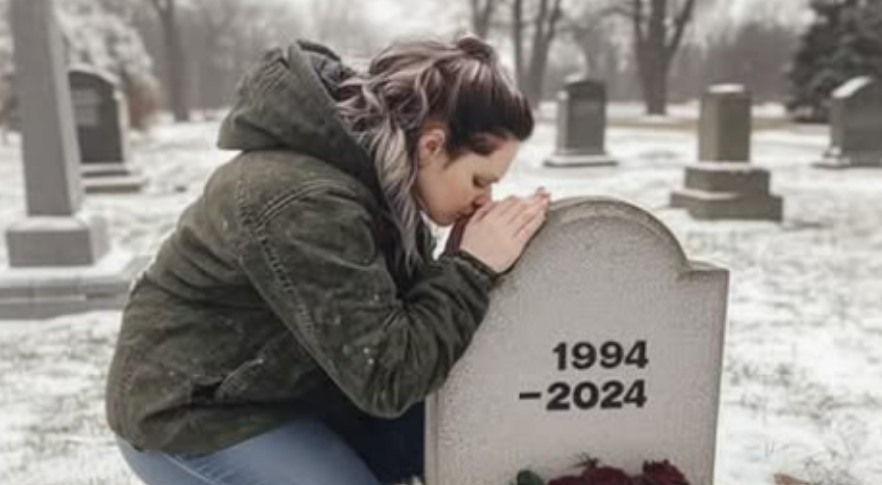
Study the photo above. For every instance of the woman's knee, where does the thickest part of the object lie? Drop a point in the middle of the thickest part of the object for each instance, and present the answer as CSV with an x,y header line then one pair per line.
x,y
304,452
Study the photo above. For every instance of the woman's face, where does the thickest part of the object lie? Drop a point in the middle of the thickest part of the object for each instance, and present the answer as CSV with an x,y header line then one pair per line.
x,y
449,189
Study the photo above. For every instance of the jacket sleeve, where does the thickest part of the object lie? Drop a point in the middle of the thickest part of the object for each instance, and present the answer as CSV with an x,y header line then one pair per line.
x,y
316,263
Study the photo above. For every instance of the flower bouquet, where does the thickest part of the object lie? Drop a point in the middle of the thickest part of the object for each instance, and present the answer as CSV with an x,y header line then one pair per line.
x,y
591,472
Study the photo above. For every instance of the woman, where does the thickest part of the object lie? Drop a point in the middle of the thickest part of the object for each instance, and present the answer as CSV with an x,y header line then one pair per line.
x,y
290,328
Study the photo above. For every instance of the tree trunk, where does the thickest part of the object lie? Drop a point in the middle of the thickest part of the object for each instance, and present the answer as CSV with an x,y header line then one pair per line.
x,y
517,29
544,30
657,40
653,72
482,16
655,75
177,76
536,74
655,91
532,88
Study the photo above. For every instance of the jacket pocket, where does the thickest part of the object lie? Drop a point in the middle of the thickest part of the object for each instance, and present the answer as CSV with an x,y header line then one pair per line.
x,y
275,373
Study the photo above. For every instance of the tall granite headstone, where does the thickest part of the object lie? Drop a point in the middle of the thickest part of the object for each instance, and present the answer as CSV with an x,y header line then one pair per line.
x,y
102,123
725,124
855,125
59,256
604,339
723,184
581,125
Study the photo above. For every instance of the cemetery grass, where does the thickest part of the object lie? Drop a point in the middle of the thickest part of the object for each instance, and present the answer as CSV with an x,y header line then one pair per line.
x,y
803,355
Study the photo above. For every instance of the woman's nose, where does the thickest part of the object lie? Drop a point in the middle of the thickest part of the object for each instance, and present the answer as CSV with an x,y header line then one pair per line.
x,y
485,196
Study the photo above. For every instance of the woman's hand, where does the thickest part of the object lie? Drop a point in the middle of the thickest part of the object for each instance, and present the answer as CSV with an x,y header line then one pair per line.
x,y
498,231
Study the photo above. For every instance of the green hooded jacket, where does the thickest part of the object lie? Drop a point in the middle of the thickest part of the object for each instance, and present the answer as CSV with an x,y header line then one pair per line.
x,y
282,291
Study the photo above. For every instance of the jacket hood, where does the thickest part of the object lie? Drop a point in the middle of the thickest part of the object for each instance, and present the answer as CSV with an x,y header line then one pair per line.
x,y
287,102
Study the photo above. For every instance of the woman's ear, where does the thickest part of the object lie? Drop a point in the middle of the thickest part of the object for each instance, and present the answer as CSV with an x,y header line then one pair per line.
x,y
431,145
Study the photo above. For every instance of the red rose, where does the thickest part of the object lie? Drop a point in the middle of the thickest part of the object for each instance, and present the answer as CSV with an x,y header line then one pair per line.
x,y
569,481
605,475
663,473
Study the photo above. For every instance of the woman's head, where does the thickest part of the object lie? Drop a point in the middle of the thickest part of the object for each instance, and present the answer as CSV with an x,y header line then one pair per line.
x,y
444,122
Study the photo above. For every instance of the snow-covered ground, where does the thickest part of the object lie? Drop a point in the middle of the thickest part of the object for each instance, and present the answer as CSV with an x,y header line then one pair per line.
x,y
803,362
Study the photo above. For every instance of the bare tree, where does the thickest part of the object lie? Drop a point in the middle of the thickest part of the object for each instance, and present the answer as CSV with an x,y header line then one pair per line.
x,y
532,26
542,28
755,54
344,26
6,97
482,12
592,33
657,36
217,22
166,11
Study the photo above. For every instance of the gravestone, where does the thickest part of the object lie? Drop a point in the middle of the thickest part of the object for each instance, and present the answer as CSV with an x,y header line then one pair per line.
x,y
725,124
604,339
581,125
60,260
855,125
724,184
103,132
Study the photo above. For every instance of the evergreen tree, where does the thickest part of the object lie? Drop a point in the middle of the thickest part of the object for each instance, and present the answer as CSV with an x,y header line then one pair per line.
x,y
845,41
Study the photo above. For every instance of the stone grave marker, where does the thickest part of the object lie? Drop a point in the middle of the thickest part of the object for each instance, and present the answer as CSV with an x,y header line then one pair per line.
x,y
604,339
725,124
855,125
581,125
724,184
60,259
103,132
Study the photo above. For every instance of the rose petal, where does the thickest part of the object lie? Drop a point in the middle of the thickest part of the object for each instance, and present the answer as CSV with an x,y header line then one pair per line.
x,y
569,480
606,475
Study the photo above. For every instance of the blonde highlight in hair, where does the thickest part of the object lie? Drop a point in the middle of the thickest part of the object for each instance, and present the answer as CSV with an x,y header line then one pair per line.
x,y
458,84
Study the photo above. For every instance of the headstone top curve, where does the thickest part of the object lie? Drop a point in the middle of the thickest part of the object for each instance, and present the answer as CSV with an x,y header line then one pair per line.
x,y
568,210
83,69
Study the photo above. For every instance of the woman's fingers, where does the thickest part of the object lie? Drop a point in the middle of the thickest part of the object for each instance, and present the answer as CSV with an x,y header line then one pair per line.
x,y
534,215
532,205
508,209
526,216
529,228
483,211
515,211
498,232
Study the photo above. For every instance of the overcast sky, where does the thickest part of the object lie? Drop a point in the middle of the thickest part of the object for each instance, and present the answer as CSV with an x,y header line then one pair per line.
x,y
402,16
395,18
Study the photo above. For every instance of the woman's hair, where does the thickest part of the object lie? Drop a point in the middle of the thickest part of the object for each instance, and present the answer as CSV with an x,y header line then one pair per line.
x,y
459,84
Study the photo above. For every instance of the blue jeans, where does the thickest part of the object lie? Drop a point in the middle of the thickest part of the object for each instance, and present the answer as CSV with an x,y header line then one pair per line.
x,y
301,452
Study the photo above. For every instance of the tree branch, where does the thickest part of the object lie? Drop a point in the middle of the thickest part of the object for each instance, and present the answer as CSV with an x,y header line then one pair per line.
x,y
553,21
482,15
487,13
680,23
589,21
637,18
539,31
517,9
